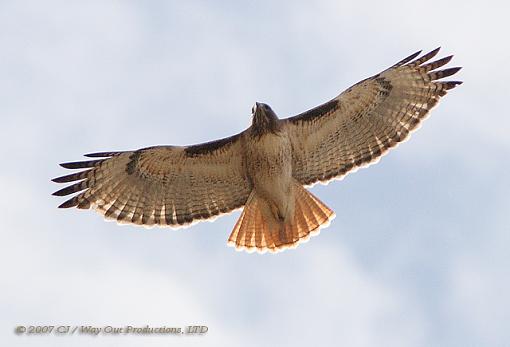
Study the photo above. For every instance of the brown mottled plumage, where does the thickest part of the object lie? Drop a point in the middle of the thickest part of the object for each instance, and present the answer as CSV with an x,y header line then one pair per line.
x,y
265,167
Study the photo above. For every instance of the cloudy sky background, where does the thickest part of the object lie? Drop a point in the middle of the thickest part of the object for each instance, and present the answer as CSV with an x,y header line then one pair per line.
x,y
417,256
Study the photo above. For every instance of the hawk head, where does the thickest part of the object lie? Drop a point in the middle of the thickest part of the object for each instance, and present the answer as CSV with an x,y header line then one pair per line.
x,y
264,118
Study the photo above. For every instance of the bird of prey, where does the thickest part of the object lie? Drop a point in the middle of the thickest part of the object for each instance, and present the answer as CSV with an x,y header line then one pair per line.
x,y
265,167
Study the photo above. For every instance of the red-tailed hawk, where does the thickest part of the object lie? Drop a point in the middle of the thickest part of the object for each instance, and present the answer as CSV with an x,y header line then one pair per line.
x,y
265,167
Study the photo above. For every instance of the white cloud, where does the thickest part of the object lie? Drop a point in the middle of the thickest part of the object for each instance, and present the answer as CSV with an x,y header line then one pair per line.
x,y
479,294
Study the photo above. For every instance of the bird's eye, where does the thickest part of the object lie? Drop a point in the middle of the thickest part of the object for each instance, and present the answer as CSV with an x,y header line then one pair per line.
x,y
266,107
253,109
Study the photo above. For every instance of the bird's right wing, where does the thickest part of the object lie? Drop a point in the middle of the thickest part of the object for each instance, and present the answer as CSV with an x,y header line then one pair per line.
x,y
163,185
361,124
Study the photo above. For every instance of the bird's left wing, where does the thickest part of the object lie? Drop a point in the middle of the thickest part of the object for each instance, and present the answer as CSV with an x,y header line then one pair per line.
x,y
365,121
163,185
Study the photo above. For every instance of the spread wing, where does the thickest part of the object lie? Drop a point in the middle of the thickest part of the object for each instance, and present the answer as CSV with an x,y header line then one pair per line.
x,y
163,185
360,125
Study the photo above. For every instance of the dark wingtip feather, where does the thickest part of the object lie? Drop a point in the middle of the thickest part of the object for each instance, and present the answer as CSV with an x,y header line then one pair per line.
x,y
450,71
437,75
412,56
426,57
73,188
447,58
82,164
434,51
61,192
407,59
102,154
451,84
72,177
438,63
63,179
69,203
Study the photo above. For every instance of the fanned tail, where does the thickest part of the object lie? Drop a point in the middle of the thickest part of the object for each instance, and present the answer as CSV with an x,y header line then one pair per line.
x,y
254,231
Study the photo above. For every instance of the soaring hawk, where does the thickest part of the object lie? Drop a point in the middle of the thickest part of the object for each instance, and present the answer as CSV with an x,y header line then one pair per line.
x,y
264,168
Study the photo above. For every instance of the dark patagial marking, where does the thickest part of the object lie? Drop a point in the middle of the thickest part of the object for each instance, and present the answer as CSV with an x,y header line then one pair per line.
x,y
133,162
318,111
208,147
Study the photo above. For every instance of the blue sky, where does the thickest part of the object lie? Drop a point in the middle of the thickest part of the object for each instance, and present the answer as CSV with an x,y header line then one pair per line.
x,y
417,256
